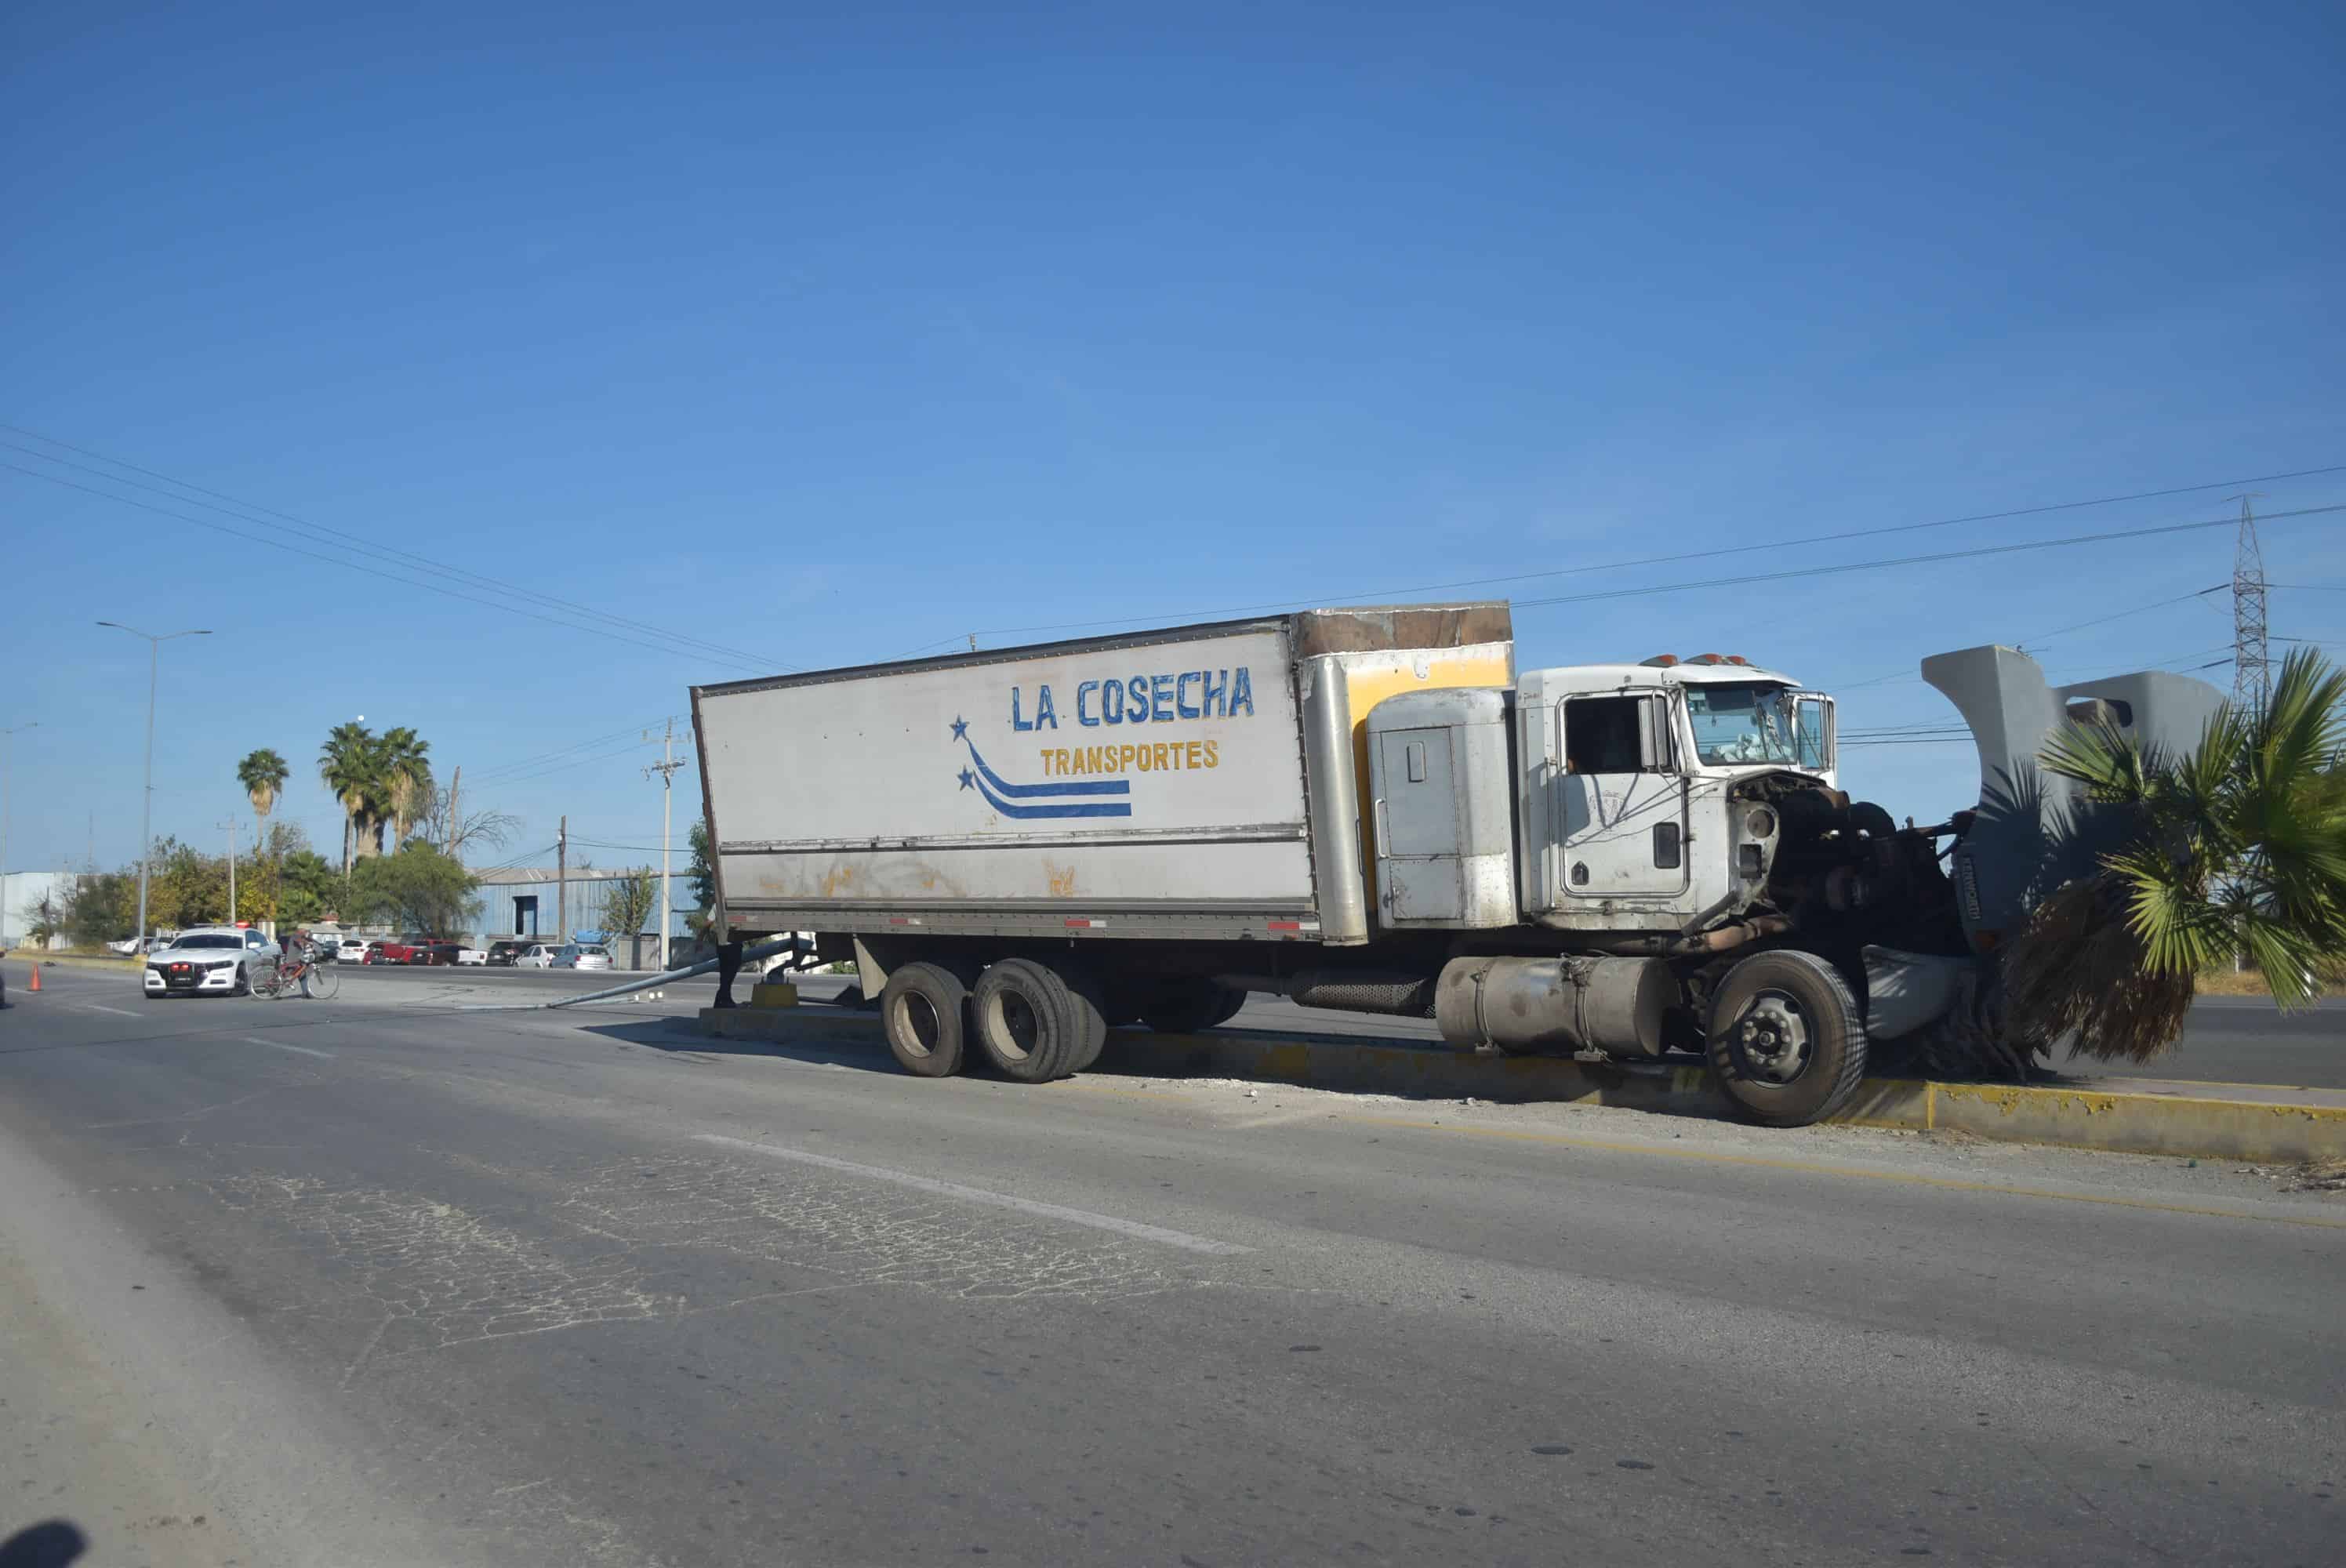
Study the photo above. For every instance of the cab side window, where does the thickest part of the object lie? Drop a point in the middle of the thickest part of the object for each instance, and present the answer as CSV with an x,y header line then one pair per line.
x,y
1601,735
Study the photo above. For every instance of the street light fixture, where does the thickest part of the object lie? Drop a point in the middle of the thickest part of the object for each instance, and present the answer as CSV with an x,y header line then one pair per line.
x,y
146,799
5,734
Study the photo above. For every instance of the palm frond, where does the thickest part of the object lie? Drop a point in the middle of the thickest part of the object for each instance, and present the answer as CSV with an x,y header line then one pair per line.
x,y
2103,759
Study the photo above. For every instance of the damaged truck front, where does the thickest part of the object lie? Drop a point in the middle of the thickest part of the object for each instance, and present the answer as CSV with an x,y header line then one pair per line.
x,y
1367,810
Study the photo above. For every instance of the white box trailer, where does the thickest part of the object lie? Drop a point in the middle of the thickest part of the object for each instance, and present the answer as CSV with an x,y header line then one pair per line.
x,y
1158,785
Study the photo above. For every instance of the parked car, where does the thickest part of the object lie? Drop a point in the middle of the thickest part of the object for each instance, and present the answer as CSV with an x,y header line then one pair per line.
x,y
539,956
434,952
356,949
210,961
472,955
582,955
507,951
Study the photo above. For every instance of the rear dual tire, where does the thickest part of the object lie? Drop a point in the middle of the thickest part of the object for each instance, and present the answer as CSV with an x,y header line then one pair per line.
x,y
1034,1023
925,1012
1187,1009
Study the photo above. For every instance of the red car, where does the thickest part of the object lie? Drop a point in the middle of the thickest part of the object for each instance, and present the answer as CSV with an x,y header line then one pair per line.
x,y
402,950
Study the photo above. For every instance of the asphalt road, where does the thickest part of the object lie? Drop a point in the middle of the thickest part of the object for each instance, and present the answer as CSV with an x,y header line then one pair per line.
x,y
373,1281
2229,1039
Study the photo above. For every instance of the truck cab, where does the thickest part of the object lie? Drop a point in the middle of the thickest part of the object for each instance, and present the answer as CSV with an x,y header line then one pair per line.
x,y
1605,797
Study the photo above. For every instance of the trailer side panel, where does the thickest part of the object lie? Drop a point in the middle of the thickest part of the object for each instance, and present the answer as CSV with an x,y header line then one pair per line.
x,y
1160,778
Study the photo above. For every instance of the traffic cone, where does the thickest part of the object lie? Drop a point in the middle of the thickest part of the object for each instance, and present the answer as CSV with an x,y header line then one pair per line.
x,y
35,986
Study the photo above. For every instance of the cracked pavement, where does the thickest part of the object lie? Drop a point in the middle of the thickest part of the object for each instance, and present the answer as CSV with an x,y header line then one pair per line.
x,y
522,1288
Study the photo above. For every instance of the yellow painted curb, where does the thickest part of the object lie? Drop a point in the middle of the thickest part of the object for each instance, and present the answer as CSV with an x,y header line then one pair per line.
x,y
2204,1126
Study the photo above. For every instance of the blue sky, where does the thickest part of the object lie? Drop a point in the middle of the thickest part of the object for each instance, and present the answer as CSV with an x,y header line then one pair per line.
x,y
827,338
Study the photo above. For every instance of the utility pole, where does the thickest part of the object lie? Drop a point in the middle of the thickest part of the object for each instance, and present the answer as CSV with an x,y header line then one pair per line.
x,y
562,883
231,826
5,750
146,795
2251,671
456,782
666,768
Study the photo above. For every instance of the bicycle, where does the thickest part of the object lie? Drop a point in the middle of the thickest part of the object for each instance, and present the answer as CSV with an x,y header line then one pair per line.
x,y
318,981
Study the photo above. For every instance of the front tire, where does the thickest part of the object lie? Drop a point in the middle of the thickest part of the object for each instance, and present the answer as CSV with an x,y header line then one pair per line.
x,y
1785,1038
243,986
925,1014
320,982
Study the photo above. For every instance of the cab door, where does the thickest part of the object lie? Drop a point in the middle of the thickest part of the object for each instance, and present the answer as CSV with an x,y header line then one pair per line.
x,y
1622,799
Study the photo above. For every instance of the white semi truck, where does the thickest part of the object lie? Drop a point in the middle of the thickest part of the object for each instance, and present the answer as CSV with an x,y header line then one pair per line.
x,y
1364,810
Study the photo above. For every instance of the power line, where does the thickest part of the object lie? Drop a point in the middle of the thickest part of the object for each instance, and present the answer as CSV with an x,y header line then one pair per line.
x,y
502,769
1973,553
404,560
1651,560
354,565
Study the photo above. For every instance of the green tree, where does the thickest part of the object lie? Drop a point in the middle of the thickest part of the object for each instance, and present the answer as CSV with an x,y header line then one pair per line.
x,y
404,776
702,876
185,886
308,888
262,774
347,765
629,899
2237,851
416,887
102,907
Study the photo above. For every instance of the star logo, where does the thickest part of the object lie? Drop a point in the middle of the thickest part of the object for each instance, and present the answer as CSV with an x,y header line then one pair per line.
x,y
961,732
968,779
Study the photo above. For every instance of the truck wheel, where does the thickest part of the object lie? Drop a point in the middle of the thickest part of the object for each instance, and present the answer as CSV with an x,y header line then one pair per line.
x,y
1090,1011
1190,1008
1026,1021
1786,1038
925,1012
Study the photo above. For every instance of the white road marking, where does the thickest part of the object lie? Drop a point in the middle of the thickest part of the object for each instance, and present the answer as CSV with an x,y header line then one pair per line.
x,y
99,1007
281,1045
1180,1238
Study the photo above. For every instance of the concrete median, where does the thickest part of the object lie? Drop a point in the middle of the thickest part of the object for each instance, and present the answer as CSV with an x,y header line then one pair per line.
x,y
2190,1120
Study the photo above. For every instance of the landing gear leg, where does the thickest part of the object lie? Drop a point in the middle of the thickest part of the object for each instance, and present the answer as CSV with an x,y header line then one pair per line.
x,y
729,965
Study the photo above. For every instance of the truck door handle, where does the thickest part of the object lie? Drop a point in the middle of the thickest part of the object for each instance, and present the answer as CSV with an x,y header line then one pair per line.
x,y
1384,839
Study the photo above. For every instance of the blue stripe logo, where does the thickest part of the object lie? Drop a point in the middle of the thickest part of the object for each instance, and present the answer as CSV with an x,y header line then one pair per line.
x,y
1030,802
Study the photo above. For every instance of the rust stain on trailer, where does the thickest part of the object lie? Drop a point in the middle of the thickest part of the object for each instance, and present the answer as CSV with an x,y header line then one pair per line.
x,y
1062,879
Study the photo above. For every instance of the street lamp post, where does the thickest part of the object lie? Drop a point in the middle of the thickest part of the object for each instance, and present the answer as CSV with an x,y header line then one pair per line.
x,y
5,734
147,796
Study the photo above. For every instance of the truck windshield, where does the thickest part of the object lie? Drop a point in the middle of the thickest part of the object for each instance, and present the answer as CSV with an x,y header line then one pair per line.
x,y
1741,723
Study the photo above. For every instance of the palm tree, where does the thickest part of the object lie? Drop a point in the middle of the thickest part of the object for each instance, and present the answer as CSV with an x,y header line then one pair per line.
x,y
2236,852
262,773
346,765
406,775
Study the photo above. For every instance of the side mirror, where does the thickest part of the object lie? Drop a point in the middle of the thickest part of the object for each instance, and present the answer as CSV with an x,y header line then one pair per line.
x,y
1654,735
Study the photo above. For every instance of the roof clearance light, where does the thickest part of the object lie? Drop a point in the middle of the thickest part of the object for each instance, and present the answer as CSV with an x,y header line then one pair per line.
x,y
1738,659
1706,659
1659,661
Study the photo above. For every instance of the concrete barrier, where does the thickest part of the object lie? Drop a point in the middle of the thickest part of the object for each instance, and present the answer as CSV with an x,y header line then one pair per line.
x,y
29,956
2190,1120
